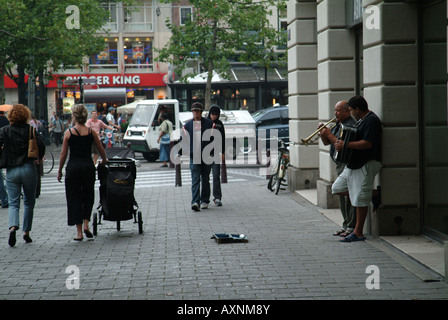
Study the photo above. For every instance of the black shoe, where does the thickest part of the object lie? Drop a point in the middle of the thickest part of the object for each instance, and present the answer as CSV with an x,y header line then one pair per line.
x,y
27,238
376,200
88,234
12,238
5,206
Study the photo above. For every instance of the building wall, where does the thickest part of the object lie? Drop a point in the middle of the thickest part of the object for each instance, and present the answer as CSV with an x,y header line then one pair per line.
x,y
326,74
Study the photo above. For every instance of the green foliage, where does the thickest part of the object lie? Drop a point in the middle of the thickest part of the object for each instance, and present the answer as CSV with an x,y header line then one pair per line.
x,y
221,29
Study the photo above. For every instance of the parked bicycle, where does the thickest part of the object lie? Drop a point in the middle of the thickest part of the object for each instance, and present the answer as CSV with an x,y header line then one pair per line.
x,y
278,178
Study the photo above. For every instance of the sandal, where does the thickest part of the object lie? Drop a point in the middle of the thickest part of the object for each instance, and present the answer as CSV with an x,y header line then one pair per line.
x,y
352,237
345,234
338,233
88,234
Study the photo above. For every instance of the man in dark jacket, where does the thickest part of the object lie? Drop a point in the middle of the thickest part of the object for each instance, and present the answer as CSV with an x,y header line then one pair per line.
x,y
213,115
200,170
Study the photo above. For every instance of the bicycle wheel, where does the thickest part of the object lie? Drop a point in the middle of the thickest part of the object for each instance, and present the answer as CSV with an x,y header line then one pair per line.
x,y
280,176
48,160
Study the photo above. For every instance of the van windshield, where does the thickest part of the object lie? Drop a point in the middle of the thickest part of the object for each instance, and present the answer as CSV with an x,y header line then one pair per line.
x,y
142,115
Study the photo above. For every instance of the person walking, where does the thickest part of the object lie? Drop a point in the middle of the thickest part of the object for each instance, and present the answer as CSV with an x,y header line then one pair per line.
x,y
80,171
3,193
111,121
165,128
213,115
21,171
58,129
200,170
96,125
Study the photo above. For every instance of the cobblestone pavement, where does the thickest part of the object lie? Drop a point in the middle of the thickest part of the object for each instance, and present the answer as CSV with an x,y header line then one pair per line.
x,y
291,253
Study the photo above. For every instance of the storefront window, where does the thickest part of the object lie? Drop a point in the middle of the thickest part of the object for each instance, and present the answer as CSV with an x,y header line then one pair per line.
x,y
138,54
108,57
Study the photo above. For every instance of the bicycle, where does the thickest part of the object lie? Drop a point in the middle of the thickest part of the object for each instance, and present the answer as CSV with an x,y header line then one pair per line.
x,y
277,178
48,161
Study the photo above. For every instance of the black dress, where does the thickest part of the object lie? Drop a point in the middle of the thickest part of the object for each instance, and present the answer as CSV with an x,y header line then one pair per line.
x,y
80,178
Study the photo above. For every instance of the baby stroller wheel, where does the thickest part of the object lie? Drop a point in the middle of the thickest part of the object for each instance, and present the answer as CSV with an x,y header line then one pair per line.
x,y
95,224
140,222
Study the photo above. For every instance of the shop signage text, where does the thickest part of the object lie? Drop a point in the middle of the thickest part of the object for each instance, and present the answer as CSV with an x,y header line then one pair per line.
x,y
111,79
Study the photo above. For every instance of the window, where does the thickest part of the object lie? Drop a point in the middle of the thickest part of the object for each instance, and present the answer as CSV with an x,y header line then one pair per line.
x,y
185,15
138,19
138,53
111,23
107,58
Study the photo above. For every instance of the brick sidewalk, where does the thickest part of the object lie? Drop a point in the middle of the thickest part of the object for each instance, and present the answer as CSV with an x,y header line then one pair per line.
x,y
291,254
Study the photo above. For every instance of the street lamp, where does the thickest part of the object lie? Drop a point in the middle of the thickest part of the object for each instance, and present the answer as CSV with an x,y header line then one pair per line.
x,y
45,82
59,83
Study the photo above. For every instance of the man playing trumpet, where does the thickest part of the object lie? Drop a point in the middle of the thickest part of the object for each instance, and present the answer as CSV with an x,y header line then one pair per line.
x,y
329,137
364,164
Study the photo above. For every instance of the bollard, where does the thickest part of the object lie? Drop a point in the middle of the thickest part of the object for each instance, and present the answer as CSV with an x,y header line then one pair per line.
x,y
171,147
178,176
223,172
268,158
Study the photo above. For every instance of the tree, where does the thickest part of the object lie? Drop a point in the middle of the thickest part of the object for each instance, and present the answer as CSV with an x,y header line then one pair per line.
x,y
43,36
219,30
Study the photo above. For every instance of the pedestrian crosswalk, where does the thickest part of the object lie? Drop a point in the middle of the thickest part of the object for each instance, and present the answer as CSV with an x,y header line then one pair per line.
x,y
146,179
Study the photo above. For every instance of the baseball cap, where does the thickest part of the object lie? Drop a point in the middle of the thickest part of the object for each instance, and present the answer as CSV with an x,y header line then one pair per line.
x,y
197,106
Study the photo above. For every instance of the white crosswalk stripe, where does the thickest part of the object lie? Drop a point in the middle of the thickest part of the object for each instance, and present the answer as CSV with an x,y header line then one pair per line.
x,y
148,179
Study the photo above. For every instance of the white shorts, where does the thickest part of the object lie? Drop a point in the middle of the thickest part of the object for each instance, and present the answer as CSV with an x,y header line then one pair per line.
x,y
358,183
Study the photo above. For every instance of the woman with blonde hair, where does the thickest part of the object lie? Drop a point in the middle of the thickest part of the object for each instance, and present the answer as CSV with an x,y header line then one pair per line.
x,y
80,171
21,171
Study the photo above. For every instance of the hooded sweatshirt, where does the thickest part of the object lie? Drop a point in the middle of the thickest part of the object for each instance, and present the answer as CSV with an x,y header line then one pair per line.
x,y
218,124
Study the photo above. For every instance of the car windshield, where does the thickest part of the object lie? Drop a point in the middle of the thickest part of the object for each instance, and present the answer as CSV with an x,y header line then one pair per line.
x,y
257,114
142,115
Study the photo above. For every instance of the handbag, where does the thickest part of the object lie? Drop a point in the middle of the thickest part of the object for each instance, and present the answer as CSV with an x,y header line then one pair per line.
x,y
33,149
165,139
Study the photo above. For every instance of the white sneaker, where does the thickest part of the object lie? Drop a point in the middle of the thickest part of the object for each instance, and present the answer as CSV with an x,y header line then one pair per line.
x,y
204,205
195,207
218,203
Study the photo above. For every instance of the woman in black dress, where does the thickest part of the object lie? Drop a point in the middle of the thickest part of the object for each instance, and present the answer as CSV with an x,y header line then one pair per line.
x,y
80,171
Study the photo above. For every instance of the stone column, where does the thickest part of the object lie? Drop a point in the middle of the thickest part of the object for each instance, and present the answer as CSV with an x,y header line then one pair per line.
x,y
336,81
302,86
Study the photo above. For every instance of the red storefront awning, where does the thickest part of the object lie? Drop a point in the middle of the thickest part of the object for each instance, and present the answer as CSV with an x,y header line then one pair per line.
x,y
106,80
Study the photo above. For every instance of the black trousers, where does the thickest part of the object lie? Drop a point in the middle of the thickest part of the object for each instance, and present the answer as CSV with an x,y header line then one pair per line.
x,y
79,190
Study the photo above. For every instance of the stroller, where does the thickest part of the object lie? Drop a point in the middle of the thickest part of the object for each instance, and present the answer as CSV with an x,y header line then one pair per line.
x,y
117,181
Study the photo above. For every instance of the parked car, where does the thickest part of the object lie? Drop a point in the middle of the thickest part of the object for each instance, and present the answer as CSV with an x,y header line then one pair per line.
x,y
275,117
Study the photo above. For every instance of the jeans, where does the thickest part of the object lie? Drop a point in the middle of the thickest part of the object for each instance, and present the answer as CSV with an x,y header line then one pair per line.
x,y
200,177
216,171
17,177
3,193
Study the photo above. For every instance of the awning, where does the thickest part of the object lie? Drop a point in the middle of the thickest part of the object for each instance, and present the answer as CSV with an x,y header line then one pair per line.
x,y
109,95
128,108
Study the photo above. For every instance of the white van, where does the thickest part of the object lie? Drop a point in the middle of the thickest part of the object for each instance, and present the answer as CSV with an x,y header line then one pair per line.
x,y
143,130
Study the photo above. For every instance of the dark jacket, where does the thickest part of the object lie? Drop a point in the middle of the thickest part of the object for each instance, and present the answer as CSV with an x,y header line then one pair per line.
x,y
15,139
219,125
189,127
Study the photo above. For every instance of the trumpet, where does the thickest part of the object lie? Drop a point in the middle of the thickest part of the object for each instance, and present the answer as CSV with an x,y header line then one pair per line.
x,y
307,140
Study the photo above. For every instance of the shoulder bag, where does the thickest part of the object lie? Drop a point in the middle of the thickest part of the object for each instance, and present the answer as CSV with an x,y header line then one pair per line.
x,y
33,149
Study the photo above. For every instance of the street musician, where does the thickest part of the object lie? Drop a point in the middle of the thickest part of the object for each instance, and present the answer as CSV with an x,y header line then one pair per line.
x,y
364,164
329,137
